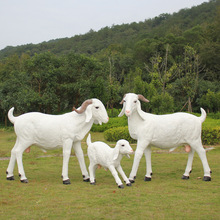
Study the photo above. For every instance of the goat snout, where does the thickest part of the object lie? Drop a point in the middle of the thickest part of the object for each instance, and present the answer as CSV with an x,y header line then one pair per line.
x,y
127,112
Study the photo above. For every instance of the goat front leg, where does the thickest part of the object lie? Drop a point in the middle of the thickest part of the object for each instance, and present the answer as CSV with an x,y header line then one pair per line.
x,y
67,146
115,175
125,178
80,156
147,153
137,157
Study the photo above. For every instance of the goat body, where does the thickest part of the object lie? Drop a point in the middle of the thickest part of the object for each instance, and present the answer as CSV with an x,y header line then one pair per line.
x,y
163,131
100,153
54,131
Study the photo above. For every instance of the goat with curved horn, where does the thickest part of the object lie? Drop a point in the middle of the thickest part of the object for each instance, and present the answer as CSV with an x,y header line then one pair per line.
x,y
83,106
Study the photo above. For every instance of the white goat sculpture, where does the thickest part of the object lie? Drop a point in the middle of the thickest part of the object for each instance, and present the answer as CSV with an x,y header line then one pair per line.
x,y
163,131
55,131
100,153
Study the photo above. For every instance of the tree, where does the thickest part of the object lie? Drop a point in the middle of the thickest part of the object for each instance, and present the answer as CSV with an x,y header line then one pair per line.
x,y
189,71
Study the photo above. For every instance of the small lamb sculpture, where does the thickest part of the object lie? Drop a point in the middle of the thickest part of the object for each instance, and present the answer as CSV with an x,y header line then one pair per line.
x,y
100,153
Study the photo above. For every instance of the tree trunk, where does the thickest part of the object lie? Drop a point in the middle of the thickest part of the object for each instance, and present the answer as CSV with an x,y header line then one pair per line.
x,y
189,105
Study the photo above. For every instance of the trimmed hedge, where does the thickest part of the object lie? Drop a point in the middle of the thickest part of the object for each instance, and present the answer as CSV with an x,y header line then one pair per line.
x,y
210,136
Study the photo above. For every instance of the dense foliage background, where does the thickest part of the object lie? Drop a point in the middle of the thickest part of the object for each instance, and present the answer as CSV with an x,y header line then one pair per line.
x,y
173,60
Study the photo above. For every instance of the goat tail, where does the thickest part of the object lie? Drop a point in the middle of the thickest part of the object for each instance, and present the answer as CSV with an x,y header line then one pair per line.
x,y
11,117
88,140
203,115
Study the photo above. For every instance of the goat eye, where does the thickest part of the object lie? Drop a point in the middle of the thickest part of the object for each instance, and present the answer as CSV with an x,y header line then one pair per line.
x,y
122,145
124,101
135,101
97,107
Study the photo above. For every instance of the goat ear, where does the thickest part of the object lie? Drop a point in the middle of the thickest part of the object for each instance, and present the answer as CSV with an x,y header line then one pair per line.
x,y
122,111
140,112
88,113
115,153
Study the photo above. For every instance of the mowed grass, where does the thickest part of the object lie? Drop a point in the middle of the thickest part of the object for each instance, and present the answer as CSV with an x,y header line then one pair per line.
x,y
167,196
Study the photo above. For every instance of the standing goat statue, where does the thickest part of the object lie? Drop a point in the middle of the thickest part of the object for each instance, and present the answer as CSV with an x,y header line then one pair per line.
x,y
163,131
55,131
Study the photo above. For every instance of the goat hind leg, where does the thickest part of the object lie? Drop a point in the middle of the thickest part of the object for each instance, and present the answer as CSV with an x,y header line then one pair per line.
x,y
189,165
202,154
11,165
19,153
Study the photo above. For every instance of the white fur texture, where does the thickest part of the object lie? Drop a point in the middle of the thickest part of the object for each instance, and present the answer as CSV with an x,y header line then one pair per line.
x,y
54,131
100,153
163,131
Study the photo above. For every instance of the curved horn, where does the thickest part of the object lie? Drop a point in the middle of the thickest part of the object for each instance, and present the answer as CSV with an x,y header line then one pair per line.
x,y
142,98
122,101
83,106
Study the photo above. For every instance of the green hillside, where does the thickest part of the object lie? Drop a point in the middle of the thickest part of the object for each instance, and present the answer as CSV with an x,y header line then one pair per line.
x,y
173,60
126,34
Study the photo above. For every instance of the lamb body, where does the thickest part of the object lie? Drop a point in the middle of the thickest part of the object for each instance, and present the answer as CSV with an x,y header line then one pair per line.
x,y
163,131
55,131
100,153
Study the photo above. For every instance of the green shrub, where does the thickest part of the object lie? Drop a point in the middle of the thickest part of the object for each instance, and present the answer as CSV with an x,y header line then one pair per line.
x,y
114,134
214,115
113,112
211,135
112,123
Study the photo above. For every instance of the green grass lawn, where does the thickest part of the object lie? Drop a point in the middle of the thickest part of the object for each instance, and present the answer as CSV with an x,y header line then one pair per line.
x,y
167,196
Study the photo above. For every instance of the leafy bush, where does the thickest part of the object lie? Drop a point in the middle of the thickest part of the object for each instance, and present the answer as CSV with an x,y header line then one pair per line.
x,y
113,123
113,112
211,135
114,134
214,115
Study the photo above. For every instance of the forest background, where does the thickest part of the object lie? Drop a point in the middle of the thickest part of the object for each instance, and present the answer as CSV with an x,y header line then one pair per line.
x,y
173,60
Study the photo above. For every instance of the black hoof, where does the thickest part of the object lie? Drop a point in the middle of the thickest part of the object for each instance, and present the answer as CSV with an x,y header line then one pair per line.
x,y
147,178
121,186
11,178
93,183
185,177
128,184
66,182
24,181
131,181
206,178
86,180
